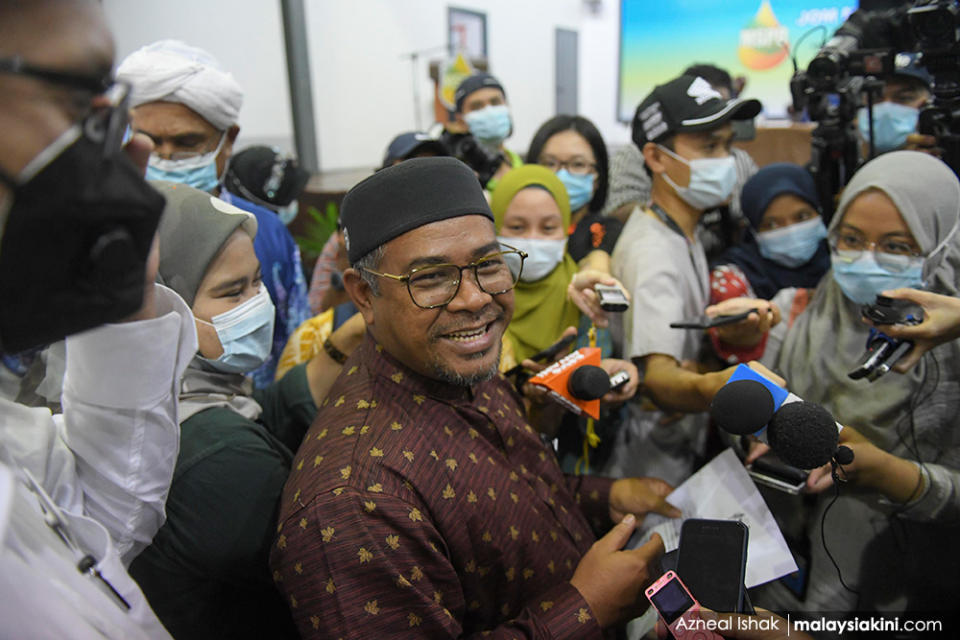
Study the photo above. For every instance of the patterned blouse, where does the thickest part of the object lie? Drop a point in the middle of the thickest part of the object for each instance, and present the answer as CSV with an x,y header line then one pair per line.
x,y
421,509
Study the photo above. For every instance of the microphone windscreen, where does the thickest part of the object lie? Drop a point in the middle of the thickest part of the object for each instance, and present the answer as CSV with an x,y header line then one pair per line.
x,y
588,382
742,407
803,434
844,455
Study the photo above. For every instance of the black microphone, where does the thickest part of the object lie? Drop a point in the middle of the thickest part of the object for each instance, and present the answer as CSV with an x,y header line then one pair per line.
x,y
742,407
588,382
804,434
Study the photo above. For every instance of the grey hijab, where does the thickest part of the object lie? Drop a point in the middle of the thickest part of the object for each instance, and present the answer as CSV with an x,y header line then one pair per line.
x,y
193,229
827,340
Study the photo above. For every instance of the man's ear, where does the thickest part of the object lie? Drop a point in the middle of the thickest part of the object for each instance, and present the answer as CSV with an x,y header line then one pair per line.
x,y
653,157
360,292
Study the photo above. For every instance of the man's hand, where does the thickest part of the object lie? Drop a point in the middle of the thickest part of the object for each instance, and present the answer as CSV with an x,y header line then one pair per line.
x,y
941,323
749,331
612,581
640,496
629,389
581,293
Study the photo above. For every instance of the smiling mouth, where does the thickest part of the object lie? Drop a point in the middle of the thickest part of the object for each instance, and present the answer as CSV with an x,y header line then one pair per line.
x,y
467,335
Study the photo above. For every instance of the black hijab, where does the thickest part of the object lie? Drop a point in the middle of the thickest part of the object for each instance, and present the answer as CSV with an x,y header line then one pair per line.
x,y
766,276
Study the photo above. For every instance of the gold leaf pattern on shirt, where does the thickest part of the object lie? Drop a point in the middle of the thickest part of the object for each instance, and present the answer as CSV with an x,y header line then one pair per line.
x,y
501,413
393,541
527,574
277,577
413,619
577,537
447,430
553,535
376,452
325,402
408,455
371,607
483,571
364,429
486,537
303,523
535,536
543,456
473,433
514,497
553,487
339,401
528,428
470,567
396,426
546,605
471,497
378,348
397,377
315,621
514,532
473,457
486,395
345,472
282,542
298,568
403,582
293,602
499,391
569,563
322,434
438,597
415,515
518,412
375,488
373,404
451,464
364,555
330,587
337,491
407,485
353,370
433,454
416,574
326,534
363,404
594,495
369,506
583,616
474,605
492,493
448,493
552,567
511,573
523,469
279,527
300,465
317,461
514,476
296,496
349,431
419,399
483,409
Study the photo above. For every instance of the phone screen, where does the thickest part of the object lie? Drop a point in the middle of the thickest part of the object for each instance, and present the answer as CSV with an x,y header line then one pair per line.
x,y
671,601
711,561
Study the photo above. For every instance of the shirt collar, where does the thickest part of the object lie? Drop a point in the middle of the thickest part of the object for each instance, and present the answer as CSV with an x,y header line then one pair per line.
x,y
382,364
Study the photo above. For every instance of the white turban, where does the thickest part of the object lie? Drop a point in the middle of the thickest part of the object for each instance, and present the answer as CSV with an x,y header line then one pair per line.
x,y
172,71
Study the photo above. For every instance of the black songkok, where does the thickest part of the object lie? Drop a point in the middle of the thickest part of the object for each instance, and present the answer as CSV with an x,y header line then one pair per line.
x,y
407,196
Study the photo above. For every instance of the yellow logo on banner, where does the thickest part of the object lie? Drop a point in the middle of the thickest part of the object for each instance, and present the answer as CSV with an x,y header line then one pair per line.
x,y
453,72
764,42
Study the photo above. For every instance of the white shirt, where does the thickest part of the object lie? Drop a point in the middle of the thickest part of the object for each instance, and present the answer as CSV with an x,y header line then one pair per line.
x,y
105,465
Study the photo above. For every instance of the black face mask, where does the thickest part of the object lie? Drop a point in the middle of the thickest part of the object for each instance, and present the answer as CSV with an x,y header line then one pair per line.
x,y
73,254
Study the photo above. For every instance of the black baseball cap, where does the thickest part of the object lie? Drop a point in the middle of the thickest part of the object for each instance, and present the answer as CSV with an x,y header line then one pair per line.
x,y
407,144
686,104
474,83
265,176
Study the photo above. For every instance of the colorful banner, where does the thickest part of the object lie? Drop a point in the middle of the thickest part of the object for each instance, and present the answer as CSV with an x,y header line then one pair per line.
x,y
751,38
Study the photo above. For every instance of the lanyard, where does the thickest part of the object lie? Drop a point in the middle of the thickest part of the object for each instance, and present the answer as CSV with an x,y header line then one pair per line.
x,y
673,226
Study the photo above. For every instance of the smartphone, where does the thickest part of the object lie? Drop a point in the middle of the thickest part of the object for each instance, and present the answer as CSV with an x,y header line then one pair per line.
x,y
611,298
712,560
706,322
619,379
678,609
771,471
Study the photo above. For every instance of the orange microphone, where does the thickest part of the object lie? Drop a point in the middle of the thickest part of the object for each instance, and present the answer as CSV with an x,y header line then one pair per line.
x,y
576,381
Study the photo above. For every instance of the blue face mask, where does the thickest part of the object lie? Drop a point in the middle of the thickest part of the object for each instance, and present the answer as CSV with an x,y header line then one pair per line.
x,y
245,333
199,172
579,188
793,245
490,125
861,279
892,123
288,213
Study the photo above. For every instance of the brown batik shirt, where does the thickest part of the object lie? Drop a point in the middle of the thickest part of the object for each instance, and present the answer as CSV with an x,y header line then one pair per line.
x,y
421,509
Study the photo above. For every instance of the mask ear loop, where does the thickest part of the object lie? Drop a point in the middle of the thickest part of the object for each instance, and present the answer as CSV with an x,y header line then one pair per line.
x,y
928,259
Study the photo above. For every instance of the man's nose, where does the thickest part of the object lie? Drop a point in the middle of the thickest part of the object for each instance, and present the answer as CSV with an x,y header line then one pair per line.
x,y
470,297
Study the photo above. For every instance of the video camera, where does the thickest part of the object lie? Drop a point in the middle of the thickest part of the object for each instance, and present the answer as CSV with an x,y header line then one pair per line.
x,y
466,148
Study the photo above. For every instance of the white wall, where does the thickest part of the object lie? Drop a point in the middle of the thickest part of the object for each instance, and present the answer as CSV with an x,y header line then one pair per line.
x,y
246,36
363,82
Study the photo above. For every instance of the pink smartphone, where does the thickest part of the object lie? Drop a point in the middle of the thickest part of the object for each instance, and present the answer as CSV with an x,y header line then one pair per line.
x,y
678,609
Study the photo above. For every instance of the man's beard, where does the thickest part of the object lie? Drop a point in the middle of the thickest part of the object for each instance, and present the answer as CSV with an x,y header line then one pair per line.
x,y
443,374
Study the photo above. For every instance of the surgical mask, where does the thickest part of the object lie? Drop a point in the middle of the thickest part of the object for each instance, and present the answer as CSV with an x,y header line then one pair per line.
x,y
711,181
288,213
245,333
490,125
543,255
861,279
793,245
199,172
74,249
892,123
579,188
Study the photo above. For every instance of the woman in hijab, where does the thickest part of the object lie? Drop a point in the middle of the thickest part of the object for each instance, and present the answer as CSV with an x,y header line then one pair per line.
x,y
206,573
893,529
785,245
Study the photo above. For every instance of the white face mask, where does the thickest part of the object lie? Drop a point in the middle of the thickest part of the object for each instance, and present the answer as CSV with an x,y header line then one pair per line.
x,y
245,333
543,255
711,180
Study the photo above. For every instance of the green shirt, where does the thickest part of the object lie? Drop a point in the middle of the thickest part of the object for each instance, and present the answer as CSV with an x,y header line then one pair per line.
x,y
206,574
